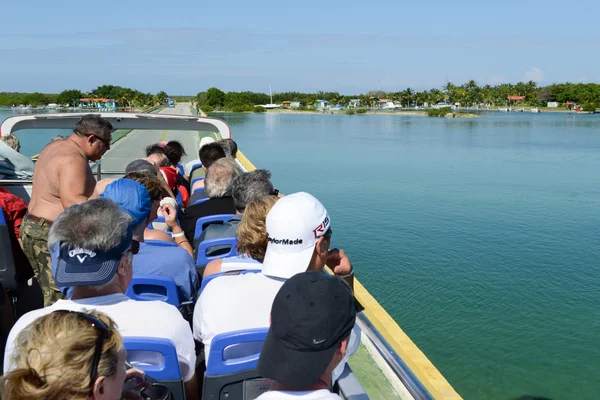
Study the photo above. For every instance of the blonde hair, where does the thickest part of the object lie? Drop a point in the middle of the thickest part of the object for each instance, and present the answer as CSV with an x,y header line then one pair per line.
x,y
53,357
252,231
11,141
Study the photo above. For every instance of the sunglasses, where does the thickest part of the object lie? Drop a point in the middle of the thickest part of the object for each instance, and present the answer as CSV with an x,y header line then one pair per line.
x,y
105,141
275,192
103,332
135,247
328,233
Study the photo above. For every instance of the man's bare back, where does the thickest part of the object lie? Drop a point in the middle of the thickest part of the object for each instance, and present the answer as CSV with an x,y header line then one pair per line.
x,y
62,177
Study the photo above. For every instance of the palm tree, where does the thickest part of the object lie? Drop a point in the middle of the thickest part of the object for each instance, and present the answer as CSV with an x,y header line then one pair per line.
x,y
408,95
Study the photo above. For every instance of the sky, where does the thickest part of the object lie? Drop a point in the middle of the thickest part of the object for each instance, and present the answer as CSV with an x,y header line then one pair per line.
x,y
184,47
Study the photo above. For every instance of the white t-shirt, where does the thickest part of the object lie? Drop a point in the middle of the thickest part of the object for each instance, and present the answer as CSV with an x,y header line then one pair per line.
x,y
322,394
133,318
233,303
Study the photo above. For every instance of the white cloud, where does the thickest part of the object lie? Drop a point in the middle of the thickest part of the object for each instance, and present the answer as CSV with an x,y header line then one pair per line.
x,y
534,74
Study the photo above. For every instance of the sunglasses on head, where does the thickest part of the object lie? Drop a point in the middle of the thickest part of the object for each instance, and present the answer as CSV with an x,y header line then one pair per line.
x,y
103,332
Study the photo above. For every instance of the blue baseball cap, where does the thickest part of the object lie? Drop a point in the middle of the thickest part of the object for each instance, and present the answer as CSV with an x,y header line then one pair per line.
x,y
76,266
132,198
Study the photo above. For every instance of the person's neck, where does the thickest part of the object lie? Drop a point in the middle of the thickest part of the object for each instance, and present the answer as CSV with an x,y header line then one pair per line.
x,y
77,141
85,293
139,237
322,383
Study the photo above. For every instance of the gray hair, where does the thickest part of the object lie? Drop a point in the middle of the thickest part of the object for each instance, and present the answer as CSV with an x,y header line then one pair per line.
x,y
11,141
250,186
229,147
220,176
94,225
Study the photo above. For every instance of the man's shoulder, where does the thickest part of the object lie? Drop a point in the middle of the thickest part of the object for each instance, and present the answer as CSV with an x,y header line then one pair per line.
x,y
161,252
241,286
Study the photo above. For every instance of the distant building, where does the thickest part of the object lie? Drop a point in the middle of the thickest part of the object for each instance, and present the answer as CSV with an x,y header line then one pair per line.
x,y
286,104
354,103
553,104
108,104
294,104
321,104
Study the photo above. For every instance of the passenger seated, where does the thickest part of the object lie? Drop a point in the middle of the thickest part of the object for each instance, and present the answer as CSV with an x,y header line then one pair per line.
x,y
173,261
92,251
12,141
252,239
229,146
244,189
190,167
70,355
174,151
312,317
219,179
208,155
14,210
14,165
299,235
155,154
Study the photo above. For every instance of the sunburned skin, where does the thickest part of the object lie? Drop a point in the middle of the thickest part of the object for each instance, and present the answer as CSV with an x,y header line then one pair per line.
x,y
62,176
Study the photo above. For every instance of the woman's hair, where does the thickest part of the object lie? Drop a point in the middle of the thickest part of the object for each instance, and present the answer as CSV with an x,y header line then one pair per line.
x,y
174,151
53,357
12,141
252,231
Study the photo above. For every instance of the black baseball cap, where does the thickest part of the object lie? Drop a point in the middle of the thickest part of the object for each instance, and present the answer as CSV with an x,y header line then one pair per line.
x,y
311,315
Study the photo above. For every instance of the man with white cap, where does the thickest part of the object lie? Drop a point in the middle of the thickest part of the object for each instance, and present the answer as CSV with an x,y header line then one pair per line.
x,y
299,235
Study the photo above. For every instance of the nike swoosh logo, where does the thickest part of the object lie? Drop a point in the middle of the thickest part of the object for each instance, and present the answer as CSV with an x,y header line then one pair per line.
x,y
315,341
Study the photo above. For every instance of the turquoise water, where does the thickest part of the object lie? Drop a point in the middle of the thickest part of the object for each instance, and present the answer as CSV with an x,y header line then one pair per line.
x,y
480,237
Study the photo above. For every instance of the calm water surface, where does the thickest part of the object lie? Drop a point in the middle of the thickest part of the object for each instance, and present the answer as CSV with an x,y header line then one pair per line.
x,y
480,237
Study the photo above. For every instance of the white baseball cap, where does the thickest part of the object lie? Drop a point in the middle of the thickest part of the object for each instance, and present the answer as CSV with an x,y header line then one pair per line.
x,y
294,225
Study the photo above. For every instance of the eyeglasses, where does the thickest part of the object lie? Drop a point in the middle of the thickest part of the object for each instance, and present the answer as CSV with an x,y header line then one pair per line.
x,y
105,141
135,247
103,331
275,192
328,233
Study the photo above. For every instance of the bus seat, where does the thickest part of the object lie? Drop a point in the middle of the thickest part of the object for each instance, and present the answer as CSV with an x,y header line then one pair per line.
x,y
229,245
231,367
206,280
181,169
194,181
201,200
149,288
157,357
203,222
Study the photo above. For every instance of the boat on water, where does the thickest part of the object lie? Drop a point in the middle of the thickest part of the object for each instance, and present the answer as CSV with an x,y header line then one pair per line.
x,y
535,110
387,365
271,105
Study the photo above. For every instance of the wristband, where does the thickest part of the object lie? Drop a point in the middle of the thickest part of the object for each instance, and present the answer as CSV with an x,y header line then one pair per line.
x,y
349,274
177,235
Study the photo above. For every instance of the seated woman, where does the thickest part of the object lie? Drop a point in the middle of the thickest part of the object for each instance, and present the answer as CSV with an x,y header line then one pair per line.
x,y
252,239
54,364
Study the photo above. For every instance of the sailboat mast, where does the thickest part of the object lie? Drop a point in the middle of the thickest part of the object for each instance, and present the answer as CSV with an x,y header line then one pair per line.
x,y
270,93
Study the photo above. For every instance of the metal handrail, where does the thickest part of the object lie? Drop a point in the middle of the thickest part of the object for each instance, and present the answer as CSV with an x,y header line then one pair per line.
x,y
399,367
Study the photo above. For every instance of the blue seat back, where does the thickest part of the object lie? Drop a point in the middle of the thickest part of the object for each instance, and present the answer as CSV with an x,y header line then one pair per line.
x,y
158,219
157,357
206,280
201,200
181,169
234,352
200,178
153,288
205,245
203,222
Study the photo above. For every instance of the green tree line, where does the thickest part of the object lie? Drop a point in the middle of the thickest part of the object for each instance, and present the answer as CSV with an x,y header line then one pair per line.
x,y
125,97
469,93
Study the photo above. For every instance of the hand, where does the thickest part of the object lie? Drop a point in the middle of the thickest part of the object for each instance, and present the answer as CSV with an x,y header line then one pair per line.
x,y
170,214
135,382
338,261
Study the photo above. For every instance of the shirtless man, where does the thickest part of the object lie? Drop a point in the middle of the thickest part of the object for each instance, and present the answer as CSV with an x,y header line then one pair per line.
x,y
62,177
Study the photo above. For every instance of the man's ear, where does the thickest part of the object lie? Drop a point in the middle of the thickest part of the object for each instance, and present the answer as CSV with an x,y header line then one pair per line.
x,y
99,390
121,270
343,348
322,245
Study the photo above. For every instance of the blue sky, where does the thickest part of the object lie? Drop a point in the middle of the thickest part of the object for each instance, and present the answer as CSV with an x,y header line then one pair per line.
x,y
184,47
